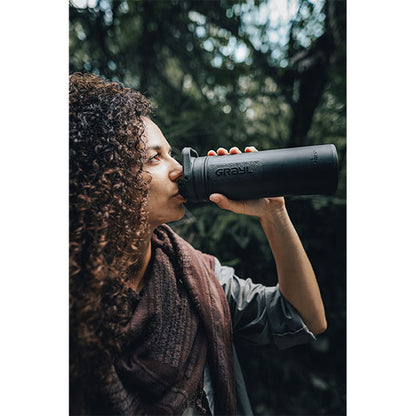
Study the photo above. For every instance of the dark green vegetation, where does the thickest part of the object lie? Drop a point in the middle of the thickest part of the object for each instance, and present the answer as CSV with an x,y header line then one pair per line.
x,y
225,73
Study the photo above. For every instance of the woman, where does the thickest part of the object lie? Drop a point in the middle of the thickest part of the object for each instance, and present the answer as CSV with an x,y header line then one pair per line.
x,y
152,320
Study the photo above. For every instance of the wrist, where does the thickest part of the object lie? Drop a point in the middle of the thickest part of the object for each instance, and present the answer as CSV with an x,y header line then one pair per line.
x,y
277,220
275,209
276,215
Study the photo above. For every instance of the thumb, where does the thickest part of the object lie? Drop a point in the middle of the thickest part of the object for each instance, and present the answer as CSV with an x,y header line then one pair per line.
x,y
223,202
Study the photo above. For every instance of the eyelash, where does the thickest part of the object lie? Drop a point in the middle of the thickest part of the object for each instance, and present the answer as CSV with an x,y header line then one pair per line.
x,y
155,156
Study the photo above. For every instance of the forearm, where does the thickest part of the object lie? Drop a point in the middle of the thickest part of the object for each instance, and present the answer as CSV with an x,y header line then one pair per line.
x,y
297,279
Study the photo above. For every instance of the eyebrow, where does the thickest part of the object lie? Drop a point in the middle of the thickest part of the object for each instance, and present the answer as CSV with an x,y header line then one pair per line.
x,y
158,148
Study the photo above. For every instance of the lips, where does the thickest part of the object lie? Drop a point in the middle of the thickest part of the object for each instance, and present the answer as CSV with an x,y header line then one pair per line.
x,y
179,197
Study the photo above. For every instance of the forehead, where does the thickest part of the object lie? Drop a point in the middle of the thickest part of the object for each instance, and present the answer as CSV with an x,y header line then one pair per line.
x,y
153,136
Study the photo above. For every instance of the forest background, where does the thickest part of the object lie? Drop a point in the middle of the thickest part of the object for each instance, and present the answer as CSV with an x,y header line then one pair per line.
x,y
267,73
381,221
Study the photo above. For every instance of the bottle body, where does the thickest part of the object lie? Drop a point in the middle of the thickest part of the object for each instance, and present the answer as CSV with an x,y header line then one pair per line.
x,y
305,170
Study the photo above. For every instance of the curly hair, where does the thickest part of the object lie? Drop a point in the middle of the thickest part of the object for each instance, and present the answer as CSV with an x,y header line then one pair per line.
x,y
108,194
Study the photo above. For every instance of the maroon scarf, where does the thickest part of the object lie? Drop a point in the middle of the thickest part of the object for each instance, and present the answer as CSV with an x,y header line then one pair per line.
x,y
182,319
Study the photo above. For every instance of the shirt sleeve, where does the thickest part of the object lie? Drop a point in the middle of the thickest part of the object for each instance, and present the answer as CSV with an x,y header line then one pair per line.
x,y
260,314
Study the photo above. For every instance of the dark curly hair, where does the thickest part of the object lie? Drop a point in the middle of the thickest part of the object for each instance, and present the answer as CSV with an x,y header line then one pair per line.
x,y
108,194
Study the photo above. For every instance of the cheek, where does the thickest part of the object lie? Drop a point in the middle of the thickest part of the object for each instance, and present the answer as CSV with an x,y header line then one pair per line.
x,y
157,192
157,179
155,188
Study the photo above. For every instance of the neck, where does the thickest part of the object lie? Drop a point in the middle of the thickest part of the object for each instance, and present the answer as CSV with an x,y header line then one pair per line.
x,y
137,282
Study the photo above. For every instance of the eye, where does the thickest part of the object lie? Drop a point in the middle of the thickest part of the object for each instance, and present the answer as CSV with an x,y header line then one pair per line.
x,y
157,156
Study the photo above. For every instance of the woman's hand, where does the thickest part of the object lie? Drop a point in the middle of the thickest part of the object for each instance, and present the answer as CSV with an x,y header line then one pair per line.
x,y
261,208
297,281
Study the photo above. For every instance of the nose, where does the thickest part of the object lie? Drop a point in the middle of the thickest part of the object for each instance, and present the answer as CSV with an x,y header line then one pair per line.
x,y
176,170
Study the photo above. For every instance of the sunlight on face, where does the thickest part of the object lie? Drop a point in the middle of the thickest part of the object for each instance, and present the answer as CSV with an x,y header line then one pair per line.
x,y
164,201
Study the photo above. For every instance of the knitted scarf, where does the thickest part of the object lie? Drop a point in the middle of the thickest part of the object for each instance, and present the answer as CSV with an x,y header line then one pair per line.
x,y
182,320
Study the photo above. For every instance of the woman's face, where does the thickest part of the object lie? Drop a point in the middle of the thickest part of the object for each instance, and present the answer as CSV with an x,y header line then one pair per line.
x,y
164,201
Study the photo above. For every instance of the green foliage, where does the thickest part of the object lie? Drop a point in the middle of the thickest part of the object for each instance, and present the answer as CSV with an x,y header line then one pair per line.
x,y
225,73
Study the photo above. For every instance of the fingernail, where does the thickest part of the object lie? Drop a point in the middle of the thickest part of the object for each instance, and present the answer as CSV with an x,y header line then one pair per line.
x,y
214,199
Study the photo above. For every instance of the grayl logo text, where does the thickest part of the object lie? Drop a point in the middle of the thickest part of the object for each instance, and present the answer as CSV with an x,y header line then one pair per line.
x,y
241,170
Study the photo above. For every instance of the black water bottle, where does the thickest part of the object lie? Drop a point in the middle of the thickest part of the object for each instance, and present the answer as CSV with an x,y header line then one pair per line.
x,y
308,170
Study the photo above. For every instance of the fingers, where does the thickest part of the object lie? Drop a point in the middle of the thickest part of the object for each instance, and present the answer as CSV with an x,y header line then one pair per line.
x,y
222,151
233,151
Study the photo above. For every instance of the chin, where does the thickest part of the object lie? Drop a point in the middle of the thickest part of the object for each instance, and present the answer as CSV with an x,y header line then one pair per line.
x,y
174,216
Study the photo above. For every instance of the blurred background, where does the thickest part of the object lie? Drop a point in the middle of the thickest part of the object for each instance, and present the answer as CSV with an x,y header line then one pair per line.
x,y
267,73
